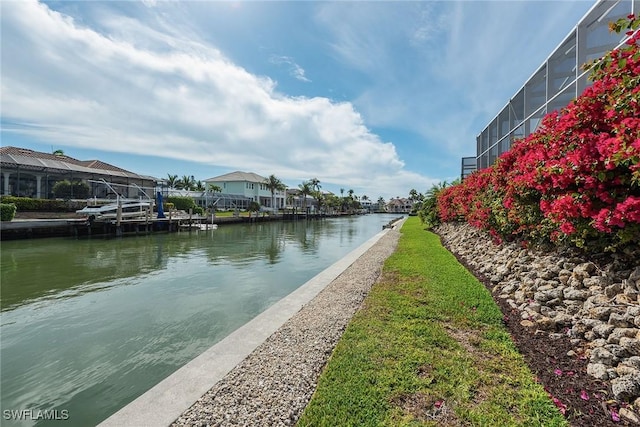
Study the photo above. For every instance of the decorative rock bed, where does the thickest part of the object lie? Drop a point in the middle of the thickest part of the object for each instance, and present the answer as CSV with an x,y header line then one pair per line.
x,y
593,300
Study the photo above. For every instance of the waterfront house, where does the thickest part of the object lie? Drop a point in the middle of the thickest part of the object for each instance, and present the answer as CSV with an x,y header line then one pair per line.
x,y
249,185
399,205
28,173
298,203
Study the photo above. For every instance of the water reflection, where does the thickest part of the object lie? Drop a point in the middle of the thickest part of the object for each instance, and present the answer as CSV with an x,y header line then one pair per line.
x,y
57,265
88,325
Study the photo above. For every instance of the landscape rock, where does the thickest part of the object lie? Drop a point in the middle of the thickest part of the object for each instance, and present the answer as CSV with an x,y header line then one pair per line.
x,y
613,290
601,355
546,324
629,415
626,387
527,323
603,330
575,294
618,320
633,361
632,345
595,298
622,370
597,370
617,333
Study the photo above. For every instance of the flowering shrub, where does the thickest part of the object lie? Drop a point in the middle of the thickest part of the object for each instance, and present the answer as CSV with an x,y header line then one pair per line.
x,y
577,178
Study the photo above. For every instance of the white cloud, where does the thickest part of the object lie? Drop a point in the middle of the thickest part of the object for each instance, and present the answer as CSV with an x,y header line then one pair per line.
x,y
295,70
462,61
142,92
416,92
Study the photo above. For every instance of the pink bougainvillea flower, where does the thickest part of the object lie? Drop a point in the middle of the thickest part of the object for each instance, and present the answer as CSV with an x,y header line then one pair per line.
x,y
561,406
614,415
558,372
438,404
574,180
584,395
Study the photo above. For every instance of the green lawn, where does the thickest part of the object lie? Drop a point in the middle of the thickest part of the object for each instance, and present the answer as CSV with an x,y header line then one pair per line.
x,y
428,348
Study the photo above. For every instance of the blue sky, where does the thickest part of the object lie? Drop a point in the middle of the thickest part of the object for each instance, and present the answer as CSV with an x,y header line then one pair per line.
x,y
378,97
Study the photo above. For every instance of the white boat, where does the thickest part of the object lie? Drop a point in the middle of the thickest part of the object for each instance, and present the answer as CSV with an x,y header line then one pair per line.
x,y
130,209
109,208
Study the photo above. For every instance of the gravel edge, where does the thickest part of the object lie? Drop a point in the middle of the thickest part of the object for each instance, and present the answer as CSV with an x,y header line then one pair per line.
x,y
273,385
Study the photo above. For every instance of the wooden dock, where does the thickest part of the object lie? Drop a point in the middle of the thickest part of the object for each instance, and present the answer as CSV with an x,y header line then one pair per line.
x,y
82,227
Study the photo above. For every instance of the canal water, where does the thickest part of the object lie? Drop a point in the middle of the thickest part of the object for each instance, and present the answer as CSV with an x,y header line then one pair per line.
x,y
89,325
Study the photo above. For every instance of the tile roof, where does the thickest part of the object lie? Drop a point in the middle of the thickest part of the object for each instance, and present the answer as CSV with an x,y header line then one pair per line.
x,y
38,155
238,176
41,161
99,164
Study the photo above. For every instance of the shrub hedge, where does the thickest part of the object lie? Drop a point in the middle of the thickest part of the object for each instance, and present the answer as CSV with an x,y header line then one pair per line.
x,y
27,204
7,211
182,203
66,189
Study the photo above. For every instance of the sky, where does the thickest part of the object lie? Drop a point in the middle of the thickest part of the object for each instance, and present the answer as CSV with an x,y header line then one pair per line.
x,y
380,97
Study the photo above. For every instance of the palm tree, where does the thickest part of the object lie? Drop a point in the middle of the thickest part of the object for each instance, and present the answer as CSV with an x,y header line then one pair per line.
x,y
316,193
215,188
428,212
315,184
199,186
351,202
416,199
274,184
58,152
436,189
381,204
172,180
186,182
305,190
333,202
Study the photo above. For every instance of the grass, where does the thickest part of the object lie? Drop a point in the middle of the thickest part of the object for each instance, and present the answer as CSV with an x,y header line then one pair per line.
x,y
428,348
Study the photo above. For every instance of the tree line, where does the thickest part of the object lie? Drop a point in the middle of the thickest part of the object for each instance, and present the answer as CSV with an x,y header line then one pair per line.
x,y
311,188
